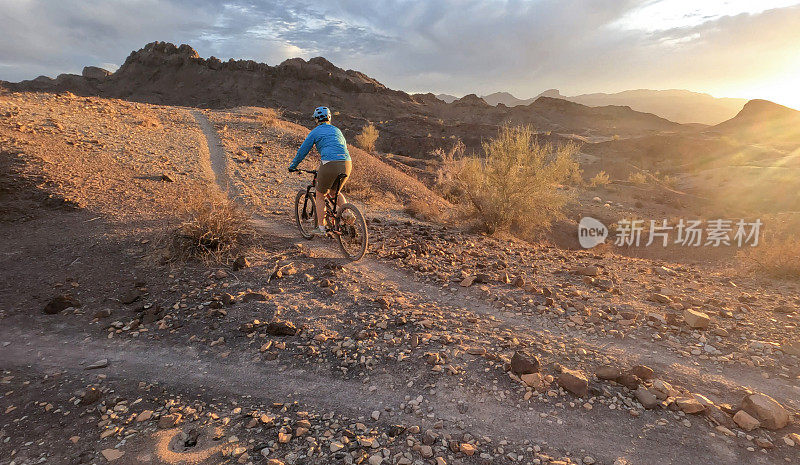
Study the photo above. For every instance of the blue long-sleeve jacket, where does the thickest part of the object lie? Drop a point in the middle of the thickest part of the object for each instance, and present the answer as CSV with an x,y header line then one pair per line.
x,y
329,141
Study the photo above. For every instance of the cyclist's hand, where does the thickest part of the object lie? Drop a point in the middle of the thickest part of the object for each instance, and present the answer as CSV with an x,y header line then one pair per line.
x,y
292,170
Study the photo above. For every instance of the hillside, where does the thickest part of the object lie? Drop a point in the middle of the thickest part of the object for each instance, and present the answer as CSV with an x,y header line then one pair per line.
x,y
162,73
763,122
441,346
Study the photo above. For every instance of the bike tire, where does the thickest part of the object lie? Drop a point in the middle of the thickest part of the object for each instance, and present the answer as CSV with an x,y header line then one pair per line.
x,y
352,235
305,211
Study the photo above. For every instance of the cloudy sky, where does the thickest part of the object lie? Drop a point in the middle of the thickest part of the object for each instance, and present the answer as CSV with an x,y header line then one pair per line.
x,y
734,48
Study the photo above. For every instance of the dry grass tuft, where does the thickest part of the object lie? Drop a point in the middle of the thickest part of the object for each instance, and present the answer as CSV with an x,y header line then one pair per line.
x,y
778,253
215,229
424,211
518,185
150,122
638,178
367,138
271,117
600,179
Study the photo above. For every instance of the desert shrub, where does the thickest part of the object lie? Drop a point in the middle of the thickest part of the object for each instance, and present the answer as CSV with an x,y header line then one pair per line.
x,y
516,185
669,181
271,116
450,164
638,178
214,229
600,179
425,211
778,253
367,137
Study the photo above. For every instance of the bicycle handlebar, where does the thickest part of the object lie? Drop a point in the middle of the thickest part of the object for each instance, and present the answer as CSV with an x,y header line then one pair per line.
x,y
298,170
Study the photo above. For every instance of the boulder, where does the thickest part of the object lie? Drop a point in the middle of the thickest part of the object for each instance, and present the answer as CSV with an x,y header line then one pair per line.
x,y
745,421
689,405
534,380
695,319
644,372
574,381
646,398
60,303
281,328
766,410
662,389
630,381
608,372
522,363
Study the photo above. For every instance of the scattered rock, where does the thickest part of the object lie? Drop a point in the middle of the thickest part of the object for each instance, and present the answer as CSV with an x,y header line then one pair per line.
x,y
767,410
144,416
255,297
608,373
689,405
281,328
169,421
102,363
522,363
90,395
573,381
104,313
112,454
166,178
130,296
646,398
695,319
467,449
662,389
660,298
534,380
60,303
643,372
588,271
629,380
745,421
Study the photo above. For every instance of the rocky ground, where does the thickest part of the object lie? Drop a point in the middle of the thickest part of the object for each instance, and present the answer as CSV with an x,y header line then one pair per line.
x,y
442,346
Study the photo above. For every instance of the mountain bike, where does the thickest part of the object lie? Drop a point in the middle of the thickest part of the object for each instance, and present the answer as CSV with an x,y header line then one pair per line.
x,y
346,222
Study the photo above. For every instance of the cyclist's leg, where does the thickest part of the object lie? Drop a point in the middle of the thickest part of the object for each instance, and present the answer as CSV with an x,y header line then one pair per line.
x,y
320,205
348,167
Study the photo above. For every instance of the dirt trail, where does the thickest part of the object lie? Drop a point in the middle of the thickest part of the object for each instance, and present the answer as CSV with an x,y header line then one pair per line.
x,y
629,352
602,433
599,433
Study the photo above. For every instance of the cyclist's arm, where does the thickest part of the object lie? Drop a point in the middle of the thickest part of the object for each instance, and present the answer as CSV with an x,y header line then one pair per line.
x,y
303,150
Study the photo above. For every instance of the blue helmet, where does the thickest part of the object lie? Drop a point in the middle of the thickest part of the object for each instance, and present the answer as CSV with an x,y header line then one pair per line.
x,y
322,114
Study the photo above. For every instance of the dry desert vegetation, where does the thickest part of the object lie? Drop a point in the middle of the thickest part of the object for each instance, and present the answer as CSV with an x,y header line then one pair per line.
x,y
159,306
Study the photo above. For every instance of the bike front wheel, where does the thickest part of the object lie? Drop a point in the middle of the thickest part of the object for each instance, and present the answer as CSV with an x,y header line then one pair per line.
x,y
352,235
305,213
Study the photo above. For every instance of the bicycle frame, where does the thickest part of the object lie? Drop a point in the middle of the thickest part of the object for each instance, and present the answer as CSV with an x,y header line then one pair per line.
x,y
331,198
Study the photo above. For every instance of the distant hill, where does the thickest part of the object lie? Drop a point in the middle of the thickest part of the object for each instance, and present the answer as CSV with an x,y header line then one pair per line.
x,y
681,106
447,98
763,122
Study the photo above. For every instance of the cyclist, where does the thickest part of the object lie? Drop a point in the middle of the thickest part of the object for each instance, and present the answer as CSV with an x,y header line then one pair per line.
x,y
335,159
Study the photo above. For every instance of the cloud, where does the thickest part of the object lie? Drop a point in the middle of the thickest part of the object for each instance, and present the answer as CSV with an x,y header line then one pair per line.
x,y
458,46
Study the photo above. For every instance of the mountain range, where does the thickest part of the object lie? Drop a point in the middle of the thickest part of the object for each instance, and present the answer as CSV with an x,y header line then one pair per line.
x,y
681,106
411,125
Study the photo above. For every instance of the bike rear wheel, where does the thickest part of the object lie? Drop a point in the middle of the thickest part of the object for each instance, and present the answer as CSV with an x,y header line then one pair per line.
x,y
305,213
352,232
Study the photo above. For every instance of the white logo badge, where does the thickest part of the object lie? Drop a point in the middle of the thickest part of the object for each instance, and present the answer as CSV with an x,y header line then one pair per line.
x,y
591,232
